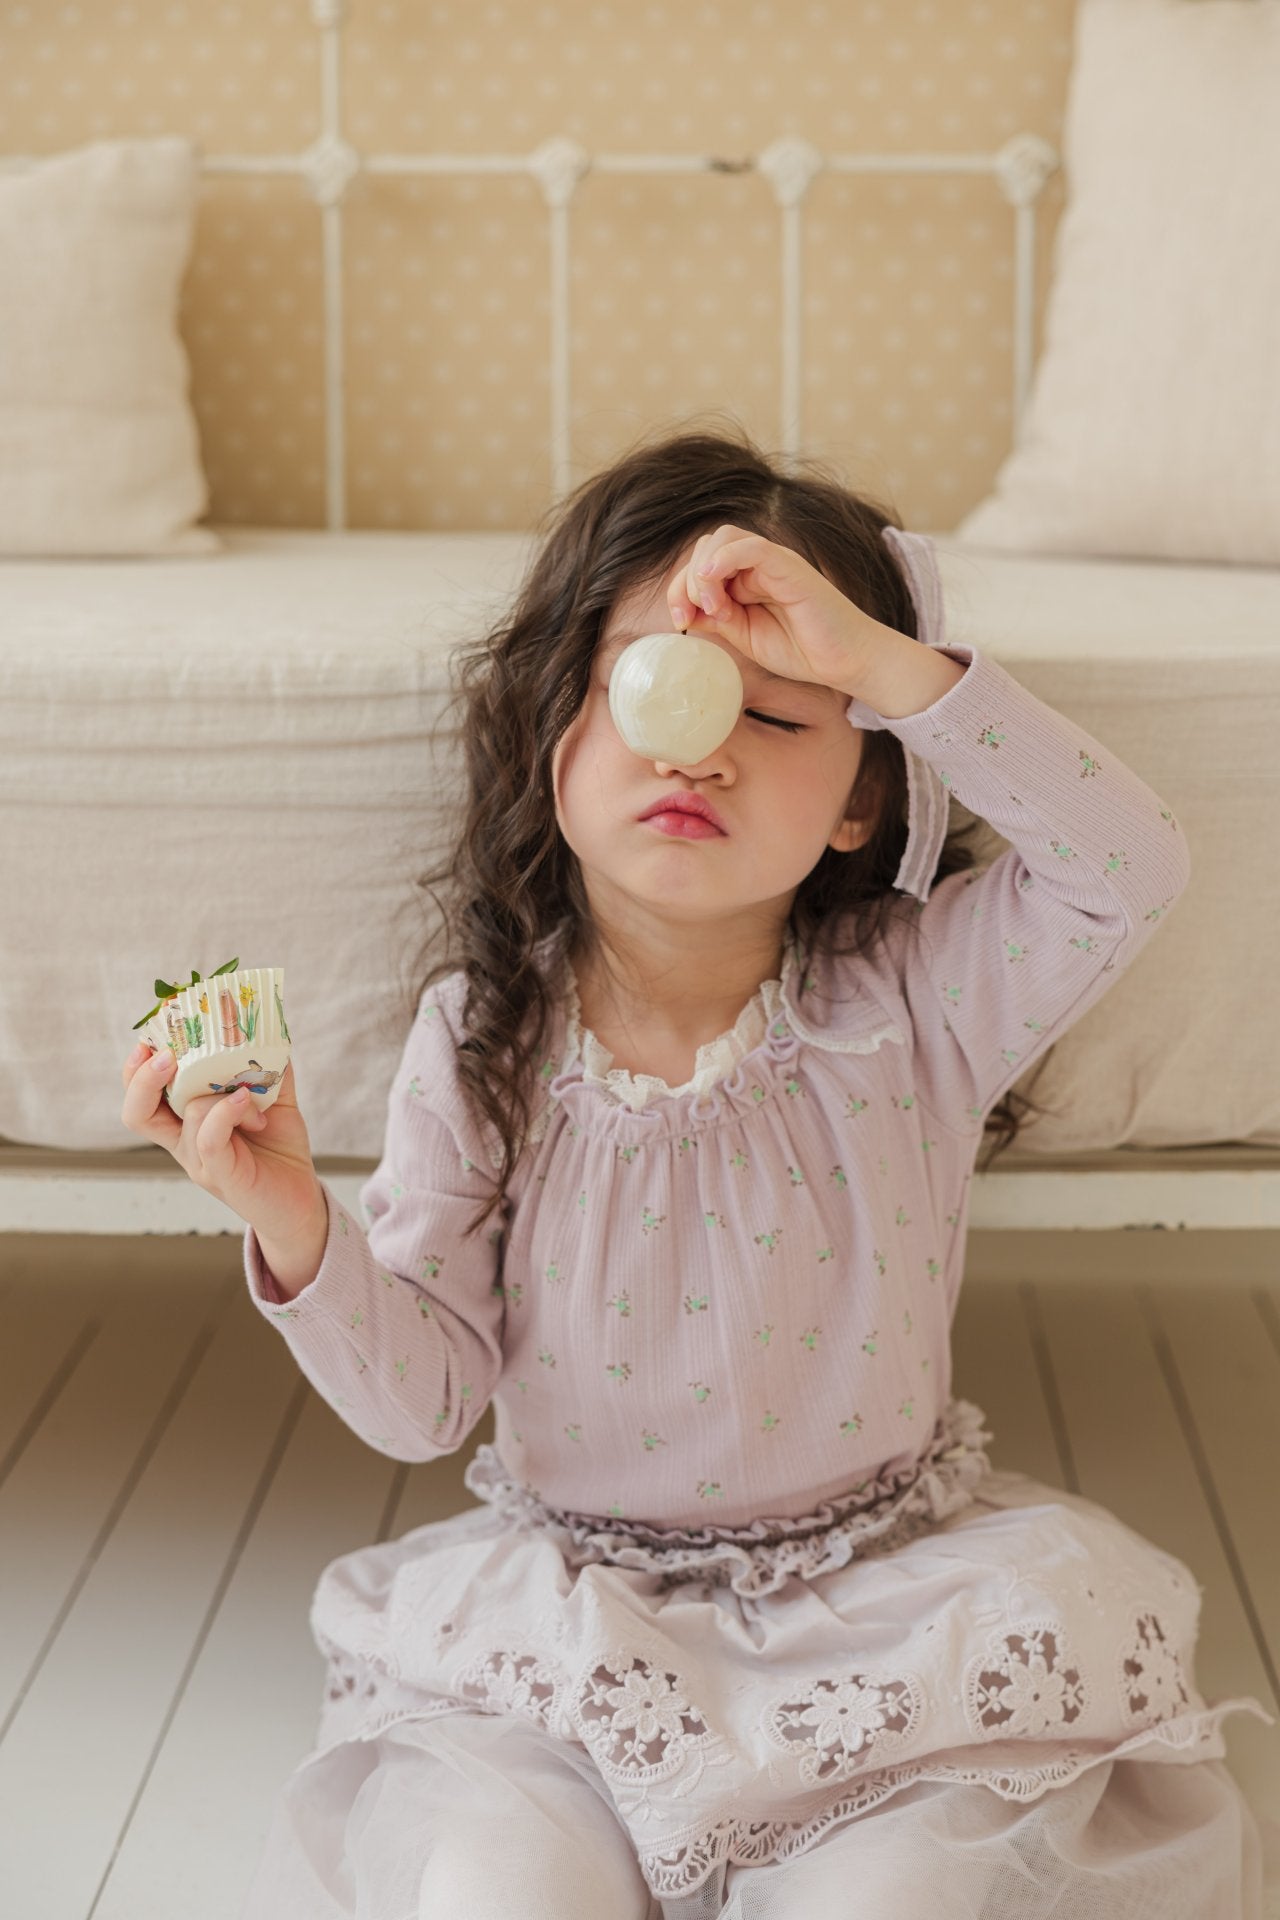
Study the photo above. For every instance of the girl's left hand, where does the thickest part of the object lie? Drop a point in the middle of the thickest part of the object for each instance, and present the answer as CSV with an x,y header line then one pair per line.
x,y
774,607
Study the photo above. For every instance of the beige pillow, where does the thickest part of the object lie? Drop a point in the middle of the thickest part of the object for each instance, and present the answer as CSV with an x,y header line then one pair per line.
x,y
1153,426
99,452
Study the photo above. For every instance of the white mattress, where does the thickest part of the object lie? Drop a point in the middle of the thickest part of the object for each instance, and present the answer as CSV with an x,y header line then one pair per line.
x,y
249,754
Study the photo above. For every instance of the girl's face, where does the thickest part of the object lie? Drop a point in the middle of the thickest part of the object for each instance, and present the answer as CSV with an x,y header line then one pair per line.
x,y
780,784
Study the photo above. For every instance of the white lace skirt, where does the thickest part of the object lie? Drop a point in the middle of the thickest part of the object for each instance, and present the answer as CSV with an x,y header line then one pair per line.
x,y
965,1686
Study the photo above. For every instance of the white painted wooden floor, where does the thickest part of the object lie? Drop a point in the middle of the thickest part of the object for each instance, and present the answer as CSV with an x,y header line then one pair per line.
x,y
170,1488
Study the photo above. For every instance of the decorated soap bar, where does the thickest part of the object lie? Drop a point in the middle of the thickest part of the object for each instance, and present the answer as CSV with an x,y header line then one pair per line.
x,y
674,696
225,1032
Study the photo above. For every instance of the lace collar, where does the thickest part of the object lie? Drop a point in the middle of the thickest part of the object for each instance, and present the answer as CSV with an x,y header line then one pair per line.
x,y
714,1060
836,1013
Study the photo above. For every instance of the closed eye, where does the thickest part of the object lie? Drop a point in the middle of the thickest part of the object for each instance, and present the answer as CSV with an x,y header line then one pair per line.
x,y
770,720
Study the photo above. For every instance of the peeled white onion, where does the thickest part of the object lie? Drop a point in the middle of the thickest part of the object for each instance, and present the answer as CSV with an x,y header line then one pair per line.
x,y
674,696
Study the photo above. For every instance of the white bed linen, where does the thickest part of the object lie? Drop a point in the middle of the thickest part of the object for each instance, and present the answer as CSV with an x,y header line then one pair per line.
x,y
250,755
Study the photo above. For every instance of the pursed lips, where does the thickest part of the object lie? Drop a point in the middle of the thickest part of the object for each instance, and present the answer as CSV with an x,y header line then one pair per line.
x,y
668,807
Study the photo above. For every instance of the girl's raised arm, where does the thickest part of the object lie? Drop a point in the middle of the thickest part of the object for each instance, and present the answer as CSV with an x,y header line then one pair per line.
x,y
1008,958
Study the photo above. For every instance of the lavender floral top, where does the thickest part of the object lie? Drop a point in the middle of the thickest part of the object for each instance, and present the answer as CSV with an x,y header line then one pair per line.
x,y
733,1299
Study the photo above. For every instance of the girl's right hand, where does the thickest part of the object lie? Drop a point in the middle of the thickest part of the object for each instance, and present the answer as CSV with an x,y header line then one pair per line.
x,y
258,1164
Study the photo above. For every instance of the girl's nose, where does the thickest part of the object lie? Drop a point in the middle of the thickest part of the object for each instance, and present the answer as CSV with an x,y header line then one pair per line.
x,y
718,761
693,769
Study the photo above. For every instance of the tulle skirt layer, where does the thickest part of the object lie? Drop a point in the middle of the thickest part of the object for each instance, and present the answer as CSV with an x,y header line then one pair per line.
x,y
995,1715
477,1815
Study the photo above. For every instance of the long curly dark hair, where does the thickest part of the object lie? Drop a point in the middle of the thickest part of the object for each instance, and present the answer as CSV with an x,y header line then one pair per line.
x,y
513,881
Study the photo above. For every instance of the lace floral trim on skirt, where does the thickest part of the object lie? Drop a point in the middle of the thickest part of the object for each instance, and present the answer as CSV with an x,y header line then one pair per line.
x,y
882,1514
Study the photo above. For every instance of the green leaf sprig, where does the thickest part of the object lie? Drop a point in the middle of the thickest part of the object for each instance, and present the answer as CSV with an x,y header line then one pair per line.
x,y
168,992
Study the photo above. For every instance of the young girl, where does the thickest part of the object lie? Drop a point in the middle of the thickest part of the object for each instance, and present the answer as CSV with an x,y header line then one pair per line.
x,y
676,1174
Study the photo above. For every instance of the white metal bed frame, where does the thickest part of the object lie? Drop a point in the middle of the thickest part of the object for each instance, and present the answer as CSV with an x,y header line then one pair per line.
x,y
47,1191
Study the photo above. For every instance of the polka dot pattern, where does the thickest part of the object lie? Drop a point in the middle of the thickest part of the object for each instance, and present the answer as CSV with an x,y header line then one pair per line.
x,y
675,287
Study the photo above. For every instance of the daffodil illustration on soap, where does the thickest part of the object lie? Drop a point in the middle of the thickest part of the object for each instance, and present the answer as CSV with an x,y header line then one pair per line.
x,y
225,1032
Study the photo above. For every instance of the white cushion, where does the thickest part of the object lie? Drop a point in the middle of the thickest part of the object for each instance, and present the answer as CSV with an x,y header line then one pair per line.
x,y
1153,426
99,453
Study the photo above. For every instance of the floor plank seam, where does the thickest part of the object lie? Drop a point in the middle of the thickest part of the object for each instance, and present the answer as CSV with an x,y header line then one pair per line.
x,y
235,1552
1048,1380
49,1398
1176,1388
142,1459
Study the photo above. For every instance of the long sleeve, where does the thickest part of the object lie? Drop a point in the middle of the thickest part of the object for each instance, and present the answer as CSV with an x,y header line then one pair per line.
x,y
1008,957
401,1329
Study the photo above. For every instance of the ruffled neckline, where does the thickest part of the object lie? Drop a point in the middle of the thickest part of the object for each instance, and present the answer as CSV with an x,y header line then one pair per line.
x,y
714,1061
813,1003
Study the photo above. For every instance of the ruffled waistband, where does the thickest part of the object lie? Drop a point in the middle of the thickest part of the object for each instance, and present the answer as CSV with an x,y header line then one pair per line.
x,y
883,1514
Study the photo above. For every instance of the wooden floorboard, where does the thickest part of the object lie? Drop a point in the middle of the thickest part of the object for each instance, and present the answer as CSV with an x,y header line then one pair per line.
x,y
170,1487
